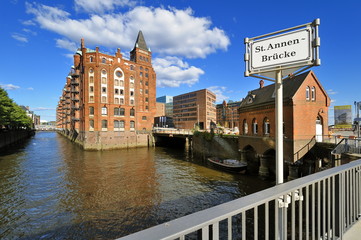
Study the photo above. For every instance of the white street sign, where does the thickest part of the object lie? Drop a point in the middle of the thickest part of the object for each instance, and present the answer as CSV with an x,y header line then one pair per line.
x,y
286,49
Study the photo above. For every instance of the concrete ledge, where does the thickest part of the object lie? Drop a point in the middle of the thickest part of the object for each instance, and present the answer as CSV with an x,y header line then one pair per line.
x,y
354,232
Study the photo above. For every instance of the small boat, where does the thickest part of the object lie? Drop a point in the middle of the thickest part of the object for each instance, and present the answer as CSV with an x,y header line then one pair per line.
x,y
228,164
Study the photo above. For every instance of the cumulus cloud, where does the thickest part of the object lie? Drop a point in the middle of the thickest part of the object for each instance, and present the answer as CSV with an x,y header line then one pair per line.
x,y
64,43
219,91
167,31
9,86
96,6
19,37
173,72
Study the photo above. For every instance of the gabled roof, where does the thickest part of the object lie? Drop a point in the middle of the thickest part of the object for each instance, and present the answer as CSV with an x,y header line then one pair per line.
x,y
140,42
266,94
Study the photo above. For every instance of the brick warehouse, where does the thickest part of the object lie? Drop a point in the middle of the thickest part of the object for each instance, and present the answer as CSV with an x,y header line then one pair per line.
x,y
305,117
109,102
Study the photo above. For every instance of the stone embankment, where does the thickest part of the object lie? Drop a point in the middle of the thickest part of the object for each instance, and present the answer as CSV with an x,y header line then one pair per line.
x,y
9,137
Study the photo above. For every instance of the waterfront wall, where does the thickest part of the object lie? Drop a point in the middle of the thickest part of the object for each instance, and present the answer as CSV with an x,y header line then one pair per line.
x,y
98,140
206,145
12,136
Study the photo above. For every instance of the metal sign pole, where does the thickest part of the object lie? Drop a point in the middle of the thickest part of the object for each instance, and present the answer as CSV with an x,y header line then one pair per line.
x,y
279,127
279,144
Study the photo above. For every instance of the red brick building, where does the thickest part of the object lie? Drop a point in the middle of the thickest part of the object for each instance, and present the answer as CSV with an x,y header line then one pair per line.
x,y
109,101
305,117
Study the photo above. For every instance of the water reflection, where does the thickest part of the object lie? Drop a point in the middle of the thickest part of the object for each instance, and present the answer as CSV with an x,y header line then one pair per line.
x,y
52,189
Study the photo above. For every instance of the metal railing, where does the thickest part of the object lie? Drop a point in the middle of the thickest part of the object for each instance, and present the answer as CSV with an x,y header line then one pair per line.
x,y
348,145
173,131
322,205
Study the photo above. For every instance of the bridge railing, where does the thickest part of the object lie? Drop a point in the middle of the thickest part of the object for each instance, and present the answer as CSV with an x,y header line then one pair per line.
x,y
173,131
322,205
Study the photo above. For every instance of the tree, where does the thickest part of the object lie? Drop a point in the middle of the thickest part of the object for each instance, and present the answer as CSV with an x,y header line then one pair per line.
x,y
11,115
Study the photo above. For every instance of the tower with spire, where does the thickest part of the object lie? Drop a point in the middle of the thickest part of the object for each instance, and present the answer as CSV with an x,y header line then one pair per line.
x,y
141,53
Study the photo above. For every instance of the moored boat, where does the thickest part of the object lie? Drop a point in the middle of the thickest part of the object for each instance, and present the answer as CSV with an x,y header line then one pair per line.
x,y
228,164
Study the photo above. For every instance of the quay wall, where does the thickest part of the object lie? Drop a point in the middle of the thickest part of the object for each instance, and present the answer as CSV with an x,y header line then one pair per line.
x,y
10,137
98,140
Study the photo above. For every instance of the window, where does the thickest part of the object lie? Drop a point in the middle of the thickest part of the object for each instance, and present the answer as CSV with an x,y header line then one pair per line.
x,y
121,92
91,110
131,78
266,126
104,124
116,124
91,59
146,91
144,117
104,99
121,124
104,60
91,99
119,74
121,83
245,126
131,102
254,126
146,99
146,83
121,101
307,93
132,84
104,90
146,75
141,74
131,93
91,70
91,89
104,72
141,91
104,80
132,112
131,67
116,100
116,112
116,82
116,91
121,111
313,93
91,79
132,124
104,111
91,124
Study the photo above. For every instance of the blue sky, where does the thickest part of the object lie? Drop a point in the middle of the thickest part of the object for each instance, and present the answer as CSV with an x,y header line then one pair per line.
x,y
196,44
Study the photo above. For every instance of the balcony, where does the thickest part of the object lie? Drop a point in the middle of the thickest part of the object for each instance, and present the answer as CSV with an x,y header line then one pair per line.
x,y
75,73
74,82
75,99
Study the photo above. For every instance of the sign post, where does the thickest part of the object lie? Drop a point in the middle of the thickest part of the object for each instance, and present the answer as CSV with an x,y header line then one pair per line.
x,y
272,57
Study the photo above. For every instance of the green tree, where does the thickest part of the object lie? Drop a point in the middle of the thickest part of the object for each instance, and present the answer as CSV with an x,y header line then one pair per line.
x,y
12,115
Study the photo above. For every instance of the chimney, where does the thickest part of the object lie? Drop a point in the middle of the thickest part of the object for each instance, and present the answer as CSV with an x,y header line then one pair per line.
x,y
261,83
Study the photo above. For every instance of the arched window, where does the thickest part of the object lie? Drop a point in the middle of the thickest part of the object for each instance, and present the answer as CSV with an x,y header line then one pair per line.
x,y
116,112
121,124
104,124
245,127
132,124
91,110
91,70
116,100
91,79
116,125
254,126
104,80
307,93
266,126
91,59
104,111
313,93
121,111
132,112
116,82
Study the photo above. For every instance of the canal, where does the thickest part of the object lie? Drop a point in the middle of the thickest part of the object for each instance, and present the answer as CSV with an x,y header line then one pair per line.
x,y
52,189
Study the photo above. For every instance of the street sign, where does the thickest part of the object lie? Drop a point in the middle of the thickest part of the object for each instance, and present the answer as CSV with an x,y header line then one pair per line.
x,y
289,49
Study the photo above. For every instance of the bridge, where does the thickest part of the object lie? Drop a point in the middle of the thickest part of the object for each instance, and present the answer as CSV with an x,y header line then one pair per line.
x,y
324,205
172,132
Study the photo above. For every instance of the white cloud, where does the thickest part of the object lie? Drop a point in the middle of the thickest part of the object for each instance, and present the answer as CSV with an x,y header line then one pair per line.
x,y
64,43
9,86
30,88
331,92
173,72
167,31
96,6
29,31
219,91
42,109
19,37
28,23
